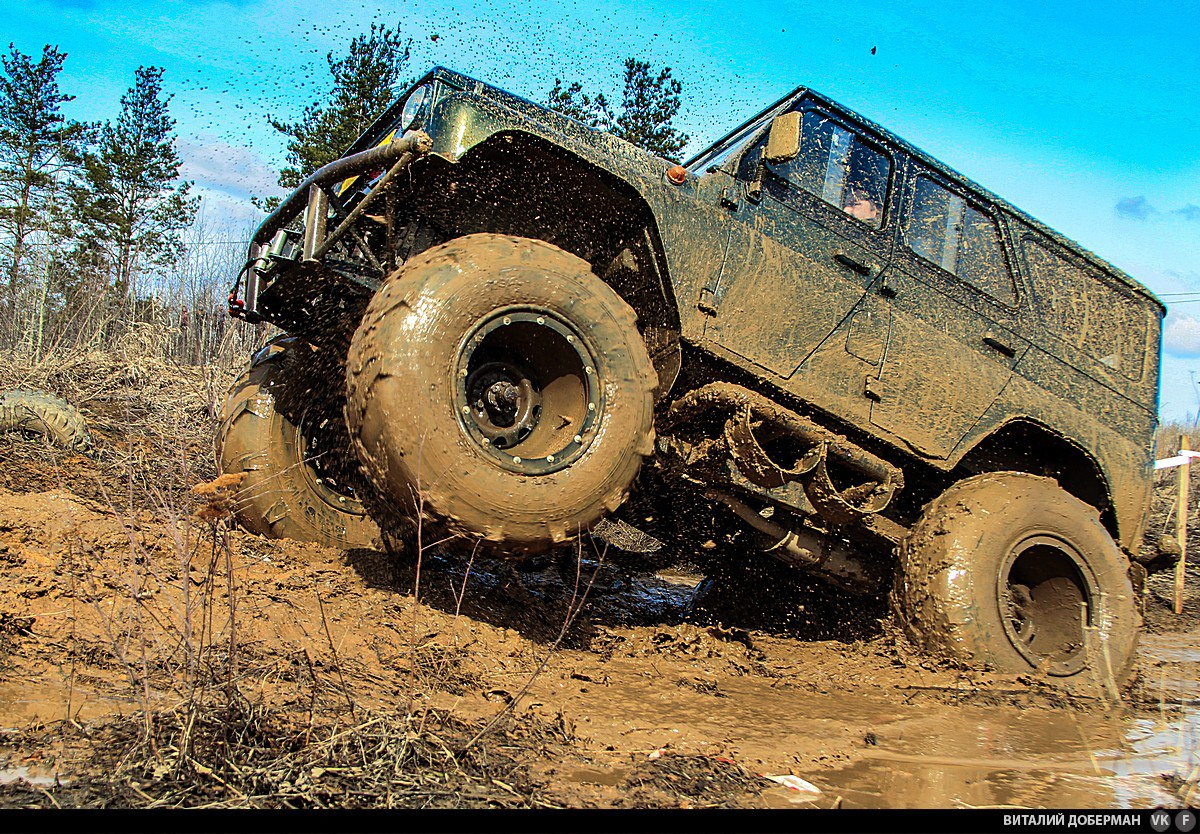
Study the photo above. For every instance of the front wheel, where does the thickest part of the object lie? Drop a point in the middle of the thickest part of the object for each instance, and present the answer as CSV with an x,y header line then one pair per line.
x,y
499,388
1010,570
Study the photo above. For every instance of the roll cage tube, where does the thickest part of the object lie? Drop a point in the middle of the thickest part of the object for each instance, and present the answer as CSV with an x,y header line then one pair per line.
x,y
311,194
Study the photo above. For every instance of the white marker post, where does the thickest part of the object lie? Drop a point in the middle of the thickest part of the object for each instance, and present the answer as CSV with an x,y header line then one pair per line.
x,y
1181,511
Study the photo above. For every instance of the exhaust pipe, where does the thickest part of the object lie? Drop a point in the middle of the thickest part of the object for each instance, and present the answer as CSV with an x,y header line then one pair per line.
x,y
825,558
835,504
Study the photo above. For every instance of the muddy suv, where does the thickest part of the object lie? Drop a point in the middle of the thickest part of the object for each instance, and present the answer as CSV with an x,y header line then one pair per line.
x,y
885,375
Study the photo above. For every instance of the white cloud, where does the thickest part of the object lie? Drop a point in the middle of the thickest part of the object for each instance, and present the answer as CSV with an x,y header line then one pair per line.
x,y
236,171
1181,336
234,215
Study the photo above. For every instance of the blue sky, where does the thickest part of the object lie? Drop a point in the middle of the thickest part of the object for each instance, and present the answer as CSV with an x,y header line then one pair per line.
x,y
1086,115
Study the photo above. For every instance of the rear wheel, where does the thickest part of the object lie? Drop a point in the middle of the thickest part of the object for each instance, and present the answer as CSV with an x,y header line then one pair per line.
x,y
290,442
1011,570
502,390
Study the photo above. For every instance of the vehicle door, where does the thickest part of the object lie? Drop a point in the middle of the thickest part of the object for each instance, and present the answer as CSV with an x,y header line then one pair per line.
x,y
954,341
810,236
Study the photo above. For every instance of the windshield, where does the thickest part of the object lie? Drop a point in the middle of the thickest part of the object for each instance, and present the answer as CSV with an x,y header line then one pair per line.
x,y
718,153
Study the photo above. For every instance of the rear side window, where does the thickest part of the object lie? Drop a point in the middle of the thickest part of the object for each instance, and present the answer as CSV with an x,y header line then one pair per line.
x,y
1084,311
836,165
944,229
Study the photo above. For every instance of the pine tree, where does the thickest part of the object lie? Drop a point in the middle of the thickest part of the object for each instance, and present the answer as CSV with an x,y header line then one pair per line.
x,y
130,204
649,104
573,102
648,107
37,143
364,84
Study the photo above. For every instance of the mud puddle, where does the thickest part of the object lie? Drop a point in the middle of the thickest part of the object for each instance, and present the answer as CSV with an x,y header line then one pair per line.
x,y
868,734
995,760
915,758
996,757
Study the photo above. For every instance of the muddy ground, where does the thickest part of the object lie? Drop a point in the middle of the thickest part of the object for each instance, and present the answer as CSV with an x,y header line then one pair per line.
x,y
152,656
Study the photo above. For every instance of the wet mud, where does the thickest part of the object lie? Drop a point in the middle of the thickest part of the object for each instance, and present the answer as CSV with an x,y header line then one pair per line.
x,y
586,687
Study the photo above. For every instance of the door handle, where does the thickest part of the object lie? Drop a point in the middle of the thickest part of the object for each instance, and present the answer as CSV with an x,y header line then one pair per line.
x,y
995,344
852,264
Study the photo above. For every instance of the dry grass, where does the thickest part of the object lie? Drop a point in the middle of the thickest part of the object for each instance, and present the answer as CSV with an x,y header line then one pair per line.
x,y
228,752
154,419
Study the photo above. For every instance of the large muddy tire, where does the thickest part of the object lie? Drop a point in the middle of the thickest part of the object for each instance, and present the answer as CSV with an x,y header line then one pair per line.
x,y
501,389
999,571
36,412
271,427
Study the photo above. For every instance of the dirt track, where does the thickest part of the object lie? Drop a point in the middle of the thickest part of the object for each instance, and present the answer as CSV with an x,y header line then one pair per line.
x,y
148,657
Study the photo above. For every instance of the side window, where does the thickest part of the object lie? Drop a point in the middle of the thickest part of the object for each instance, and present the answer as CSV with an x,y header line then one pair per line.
x,y
1082,310
837,166
945,229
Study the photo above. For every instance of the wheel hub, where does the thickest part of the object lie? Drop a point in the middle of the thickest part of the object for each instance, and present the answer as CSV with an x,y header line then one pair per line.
x,y
528,393
501,402
504,404
323,467
1047,597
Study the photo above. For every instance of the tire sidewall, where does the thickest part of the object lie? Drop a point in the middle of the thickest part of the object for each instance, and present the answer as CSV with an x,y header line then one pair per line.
x,y
277,499
951,566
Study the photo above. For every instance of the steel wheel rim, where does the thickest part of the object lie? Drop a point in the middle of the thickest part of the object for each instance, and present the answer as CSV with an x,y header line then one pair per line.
x,y
527,391
1043,584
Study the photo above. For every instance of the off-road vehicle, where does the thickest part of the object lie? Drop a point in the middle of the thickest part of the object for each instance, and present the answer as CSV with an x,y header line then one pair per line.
x,y
888,375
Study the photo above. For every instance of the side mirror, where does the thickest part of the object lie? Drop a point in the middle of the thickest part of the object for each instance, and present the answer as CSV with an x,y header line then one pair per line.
x,y
783,142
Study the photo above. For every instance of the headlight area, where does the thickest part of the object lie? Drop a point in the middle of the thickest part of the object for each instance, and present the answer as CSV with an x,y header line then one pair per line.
x,y
416,108
413,115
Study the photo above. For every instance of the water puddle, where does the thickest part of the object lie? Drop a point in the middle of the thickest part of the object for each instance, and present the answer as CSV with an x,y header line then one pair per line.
x,y
1004,756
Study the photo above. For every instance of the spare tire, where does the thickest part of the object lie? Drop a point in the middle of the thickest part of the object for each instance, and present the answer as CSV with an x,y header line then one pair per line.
x,y
289,440
36,412
501,389
1011,570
